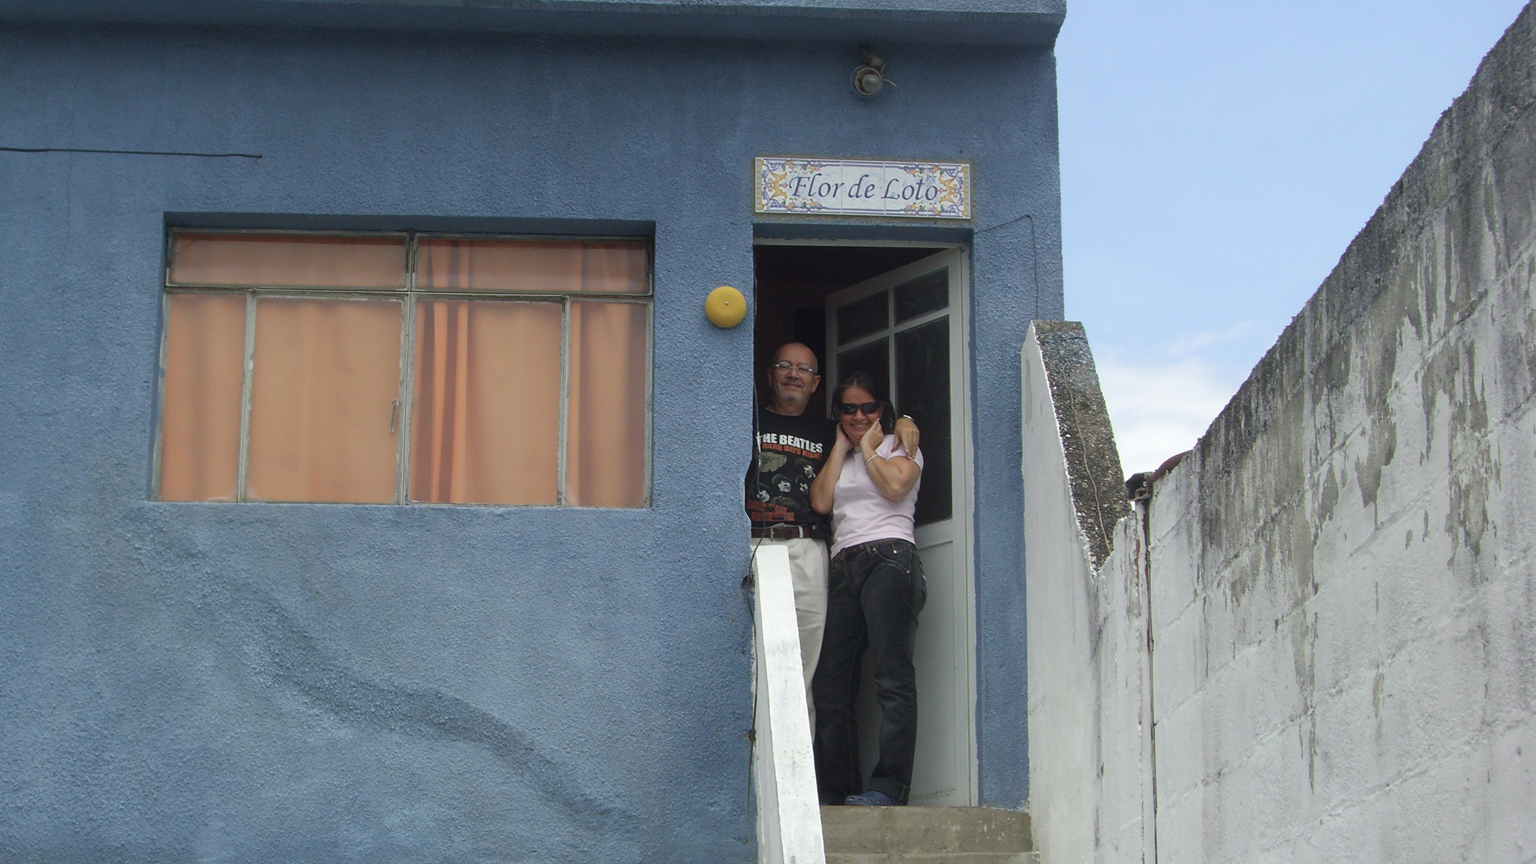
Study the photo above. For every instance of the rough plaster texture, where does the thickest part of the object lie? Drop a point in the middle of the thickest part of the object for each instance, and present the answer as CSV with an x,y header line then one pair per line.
x,y
1087,442
342,683
1341,610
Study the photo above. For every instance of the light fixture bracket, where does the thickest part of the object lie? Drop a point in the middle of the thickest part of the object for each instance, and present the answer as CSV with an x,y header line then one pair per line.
x,y
869,76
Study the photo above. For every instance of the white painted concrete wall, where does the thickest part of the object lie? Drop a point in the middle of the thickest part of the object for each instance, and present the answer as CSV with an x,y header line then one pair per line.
x,y
1061,605
783,767
1086,652
1342,608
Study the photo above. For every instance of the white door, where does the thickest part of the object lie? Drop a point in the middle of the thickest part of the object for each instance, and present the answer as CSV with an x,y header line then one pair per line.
x,y
907,328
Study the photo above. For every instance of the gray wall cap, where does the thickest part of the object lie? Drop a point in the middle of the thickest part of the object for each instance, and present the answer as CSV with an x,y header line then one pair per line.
x,y
1087,439
971,22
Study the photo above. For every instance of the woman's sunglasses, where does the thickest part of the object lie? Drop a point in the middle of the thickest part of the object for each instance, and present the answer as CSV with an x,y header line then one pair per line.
x,y
868,409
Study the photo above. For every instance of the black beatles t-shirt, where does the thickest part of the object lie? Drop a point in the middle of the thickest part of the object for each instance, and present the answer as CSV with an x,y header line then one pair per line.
x,y
790,451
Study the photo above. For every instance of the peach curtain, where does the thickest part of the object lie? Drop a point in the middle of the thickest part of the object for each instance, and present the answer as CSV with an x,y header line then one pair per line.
x,y
200,408
324,380
485,421
486,424
605,440
606,436
288,260
531,266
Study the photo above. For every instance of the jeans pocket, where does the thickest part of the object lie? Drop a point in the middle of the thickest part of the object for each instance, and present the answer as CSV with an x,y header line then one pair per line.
x,y
895,554
903,556
837,573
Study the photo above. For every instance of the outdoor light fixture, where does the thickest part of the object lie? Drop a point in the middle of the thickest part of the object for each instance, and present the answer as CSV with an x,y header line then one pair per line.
x,y
869,76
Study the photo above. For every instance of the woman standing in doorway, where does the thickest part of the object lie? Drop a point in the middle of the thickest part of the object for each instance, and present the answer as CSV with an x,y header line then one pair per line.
x,y
875,590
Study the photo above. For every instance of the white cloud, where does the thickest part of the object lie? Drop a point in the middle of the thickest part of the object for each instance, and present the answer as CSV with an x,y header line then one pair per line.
x,y
1161,405
1193,341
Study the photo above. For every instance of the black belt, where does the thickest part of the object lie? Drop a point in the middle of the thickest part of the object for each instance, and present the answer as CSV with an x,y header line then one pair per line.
x,y
783,532
855,549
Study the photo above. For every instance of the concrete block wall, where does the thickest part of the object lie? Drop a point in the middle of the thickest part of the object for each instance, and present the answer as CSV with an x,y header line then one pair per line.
x,y
1340,600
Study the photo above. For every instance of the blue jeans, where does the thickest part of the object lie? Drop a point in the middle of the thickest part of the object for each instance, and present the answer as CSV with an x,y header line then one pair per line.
x,y
873,597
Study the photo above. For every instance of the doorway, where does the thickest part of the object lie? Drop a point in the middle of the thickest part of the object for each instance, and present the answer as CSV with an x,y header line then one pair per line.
x,y
898,312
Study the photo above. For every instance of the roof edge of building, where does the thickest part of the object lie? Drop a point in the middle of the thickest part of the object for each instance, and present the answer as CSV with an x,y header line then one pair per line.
x,y
961,22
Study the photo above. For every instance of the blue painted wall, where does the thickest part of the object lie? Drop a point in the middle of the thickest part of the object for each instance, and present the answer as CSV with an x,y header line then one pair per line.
x,y
359,683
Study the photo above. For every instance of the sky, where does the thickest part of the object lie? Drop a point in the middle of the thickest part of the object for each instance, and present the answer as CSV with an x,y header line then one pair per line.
x,y
1217,158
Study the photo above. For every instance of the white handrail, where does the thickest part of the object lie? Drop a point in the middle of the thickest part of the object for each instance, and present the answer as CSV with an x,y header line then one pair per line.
x,y
784,771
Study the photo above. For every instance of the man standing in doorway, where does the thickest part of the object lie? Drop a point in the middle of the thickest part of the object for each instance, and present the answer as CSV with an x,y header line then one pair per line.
x,y
793,441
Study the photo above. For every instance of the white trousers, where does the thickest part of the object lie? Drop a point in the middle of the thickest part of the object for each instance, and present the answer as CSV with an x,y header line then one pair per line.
x,y
808,573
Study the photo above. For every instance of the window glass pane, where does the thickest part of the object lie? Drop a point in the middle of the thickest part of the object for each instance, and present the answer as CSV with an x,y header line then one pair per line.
x,y
615,268
200,411
873,360
288,260
922,384
326,373
485,427
863,317
605,443
924,294
531,266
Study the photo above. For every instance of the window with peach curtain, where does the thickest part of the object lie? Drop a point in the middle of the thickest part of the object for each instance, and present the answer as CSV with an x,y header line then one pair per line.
x,y
324,380
486,422
606,442
200,405
531,266
287,260
520,350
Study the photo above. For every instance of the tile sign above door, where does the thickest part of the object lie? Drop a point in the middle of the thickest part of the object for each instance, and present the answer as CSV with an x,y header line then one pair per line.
x,y
854,187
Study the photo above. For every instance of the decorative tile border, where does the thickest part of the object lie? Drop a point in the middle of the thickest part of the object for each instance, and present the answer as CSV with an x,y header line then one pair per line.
x,y
854,187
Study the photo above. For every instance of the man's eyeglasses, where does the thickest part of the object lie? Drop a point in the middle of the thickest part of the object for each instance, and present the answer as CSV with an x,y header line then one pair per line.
x,y
783,367
868,409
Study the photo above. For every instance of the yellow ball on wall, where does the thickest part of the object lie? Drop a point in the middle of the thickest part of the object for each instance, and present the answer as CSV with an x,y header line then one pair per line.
x,y
725,307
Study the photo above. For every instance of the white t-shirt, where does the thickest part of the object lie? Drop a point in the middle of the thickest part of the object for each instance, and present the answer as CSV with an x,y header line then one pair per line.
x,y
861,512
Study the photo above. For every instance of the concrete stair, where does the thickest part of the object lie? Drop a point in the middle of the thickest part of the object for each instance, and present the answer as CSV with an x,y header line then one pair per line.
x,y
926,835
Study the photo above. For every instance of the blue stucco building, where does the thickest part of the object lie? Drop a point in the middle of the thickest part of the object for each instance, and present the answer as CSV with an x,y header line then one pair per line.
x,y
209,680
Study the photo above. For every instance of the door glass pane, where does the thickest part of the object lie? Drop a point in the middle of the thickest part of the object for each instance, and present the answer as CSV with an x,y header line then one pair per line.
x,y
863,317
605,435
485,426
200,408
532,266
872,359
927,293
922,381
288,261
324,379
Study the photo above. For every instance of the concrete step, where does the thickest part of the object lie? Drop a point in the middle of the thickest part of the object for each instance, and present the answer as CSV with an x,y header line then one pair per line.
x,y
926,835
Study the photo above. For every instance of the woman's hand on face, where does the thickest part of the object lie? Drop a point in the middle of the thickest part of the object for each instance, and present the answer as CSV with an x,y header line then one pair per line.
x,y
874,436
841,445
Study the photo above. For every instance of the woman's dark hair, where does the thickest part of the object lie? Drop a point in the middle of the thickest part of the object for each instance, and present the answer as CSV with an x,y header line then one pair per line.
x,y
866,382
